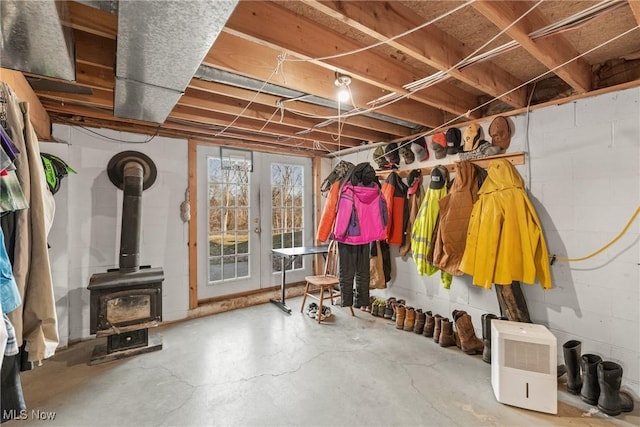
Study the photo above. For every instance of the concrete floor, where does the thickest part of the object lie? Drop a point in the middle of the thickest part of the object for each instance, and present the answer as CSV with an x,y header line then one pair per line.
x,y
259,366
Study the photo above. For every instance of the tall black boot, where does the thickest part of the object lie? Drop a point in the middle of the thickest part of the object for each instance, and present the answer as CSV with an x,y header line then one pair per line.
x,y
612,401
486,336
590,389
571,350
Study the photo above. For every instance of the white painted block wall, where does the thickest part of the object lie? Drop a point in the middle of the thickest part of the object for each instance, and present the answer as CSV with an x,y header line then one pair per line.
x,y
584,178
85,237
583,172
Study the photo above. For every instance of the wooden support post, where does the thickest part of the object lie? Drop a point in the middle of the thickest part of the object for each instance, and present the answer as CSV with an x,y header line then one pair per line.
x,y
39,117
512,302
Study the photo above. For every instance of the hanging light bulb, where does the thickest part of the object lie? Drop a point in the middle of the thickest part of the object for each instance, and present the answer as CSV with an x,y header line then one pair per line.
x,y
343,94
343,81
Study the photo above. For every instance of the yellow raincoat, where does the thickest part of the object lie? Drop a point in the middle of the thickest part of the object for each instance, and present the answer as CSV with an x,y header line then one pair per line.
x,y
504,239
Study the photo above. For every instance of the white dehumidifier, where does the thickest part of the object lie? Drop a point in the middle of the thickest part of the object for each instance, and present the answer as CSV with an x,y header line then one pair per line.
x,y
523,365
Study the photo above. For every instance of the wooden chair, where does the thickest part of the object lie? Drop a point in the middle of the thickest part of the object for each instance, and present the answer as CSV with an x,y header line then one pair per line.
x,y
318,286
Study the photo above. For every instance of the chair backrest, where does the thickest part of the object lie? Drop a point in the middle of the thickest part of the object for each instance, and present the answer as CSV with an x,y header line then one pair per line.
x,y
331,261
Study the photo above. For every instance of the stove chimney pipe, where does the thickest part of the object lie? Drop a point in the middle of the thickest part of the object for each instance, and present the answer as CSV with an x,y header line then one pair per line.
x,y
132,172
131,218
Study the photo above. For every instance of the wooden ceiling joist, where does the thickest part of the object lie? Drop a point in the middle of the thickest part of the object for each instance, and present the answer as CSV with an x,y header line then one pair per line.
x,y
305,108
635,9
430,45
241,56
551,51
307,39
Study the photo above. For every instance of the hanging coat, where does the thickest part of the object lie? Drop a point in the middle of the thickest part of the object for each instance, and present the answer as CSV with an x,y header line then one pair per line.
x,y
414,198
423,233
395,195
455,211
361,215
328,216
35,321
505,242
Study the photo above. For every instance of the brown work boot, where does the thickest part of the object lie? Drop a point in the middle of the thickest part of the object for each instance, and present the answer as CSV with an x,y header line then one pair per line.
x,y
447,338
469,342
421,319
409,319
436,327
429,323
400,314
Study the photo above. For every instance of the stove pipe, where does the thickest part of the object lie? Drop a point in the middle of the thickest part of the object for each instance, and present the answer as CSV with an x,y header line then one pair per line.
x,y
133,174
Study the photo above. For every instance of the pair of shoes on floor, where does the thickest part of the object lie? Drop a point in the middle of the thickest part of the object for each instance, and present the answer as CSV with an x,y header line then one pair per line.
x,y
326,313
312,311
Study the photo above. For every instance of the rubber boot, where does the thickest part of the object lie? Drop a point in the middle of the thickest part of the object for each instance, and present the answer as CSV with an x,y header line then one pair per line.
x,y
612,401
571,350
429,324
400,313
590,391
436,327
447,339
486,336
409,319
469,342
421,319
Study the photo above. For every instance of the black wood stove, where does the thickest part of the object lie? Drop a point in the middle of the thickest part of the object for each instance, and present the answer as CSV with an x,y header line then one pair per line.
x,y
127,301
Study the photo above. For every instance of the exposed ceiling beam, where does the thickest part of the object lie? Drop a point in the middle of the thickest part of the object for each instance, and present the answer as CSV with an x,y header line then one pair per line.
x,y
94,117
247,58
227,105
551,51
91,20
430,45
221,119
297,106
635,8
308,39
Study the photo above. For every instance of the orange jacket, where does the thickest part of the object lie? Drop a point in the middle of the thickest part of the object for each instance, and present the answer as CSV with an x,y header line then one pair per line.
x,y
328,217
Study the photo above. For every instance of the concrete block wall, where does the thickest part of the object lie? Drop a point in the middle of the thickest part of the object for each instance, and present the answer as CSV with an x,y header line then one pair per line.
x,y
85,237
583,175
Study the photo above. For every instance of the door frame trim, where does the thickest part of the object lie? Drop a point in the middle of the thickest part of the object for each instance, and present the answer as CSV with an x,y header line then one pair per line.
x,y
192,164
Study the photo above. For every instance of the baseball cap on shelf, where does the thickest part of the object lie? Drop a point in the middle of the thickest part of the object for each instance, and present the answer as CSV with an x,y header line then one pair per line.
x,y
378,156
420,150
391,153
439,177
454,138
406,153
413,181
439,145
471,137
500,132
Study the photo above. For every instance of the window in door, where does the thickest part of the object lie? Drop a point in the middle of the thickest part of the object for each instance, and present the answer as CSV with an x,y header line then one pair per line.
x,y
287,209
228,215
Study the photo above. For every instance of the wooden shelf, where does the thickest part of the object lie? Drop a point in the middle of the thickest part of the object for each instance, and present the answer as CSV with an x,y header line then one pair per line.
x,y
516,158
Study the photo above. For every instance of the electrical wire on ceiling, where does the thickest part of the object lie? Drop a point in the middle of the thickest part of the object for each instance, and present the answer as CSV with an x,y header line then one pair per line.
x,y
383,42
446,124
429,81
571,22
109,138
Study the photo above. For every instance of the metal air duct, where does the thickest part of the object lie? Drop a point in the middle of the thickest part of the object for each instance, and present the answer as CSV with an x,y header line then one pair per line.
x,y
34,39
161,44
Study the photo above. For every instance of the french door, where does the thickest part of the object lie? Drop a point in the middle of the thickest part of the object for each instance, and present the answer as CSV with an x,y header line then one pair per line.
x,y
248,204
